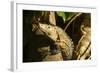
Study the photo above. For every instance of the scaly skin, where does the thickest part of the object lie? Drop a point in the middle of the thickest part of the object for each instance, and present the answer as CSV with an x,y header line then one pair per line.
x,y
60,38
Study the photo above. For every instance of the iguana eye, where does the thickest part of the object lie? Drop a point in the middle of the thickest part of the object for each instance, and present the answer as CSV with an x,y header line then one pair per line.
x,y
48,26
49,34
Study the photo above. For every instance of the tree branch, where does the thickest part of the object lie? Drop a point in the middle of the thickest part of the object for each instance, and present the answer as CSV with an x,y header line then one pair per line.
x,y
72,20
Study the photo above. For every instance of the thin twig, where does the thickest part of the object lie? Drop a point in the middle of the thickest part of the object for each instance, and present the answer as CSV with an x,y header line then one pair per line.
x,y
72,20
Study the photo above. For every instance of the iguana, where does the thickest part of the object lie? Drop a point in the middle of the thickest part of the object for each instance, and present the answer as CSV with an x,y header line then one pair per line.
x,y
60,38
84,44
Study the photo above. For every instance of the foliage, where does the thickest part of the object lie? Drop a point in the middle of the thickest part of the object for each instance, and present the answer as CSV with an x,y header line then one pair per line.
x,y
65,15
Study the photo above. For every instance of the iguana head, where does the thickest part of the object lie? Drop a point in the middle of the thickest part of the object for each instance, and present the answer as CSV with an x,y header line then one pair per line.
x,y
49,30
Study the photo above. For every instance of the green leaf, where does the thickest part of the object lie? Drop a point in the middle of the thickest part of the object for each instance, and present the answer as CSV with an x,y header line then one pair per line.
x,y
62,14
69,15
66,15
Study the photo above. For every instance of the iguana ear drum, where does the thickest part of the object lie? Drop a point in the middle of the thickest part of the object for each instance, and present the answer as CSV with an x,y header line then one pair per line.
x,y
55,49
